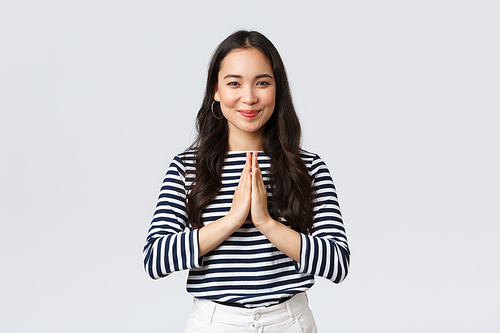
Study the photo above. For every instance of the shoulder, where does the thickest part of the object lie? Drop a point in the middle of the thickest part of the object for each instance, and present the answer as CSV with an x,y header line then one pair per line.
x,y
183,161
187,156
315,165
310,159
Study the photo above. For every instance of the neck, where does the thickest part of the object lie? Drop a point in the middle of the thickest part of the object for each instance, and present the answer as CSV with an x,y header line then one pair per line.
x,y
250,142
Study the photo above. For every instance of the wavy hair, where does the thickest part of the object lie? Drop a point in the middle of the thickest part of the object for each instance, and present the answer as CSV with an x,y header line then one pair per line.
x,y
292,195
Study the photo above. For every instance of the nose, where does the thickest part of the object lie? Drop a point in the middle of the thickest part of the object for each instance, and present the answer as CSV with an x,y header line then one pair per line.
x,y
249,96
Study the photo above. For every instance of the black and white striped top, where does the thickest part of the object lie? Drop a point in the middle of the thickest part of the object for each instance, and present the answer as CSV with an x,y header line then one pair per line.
x,y
246,268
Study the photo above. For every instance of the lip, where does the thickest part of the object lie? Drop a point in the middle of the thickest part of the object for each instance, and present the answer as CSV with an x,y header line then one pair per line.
x,y
249,113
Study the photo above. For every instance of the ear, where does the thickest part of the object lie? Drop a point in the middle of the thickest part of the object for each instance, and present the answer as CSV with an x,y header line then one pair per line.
x,y
216,94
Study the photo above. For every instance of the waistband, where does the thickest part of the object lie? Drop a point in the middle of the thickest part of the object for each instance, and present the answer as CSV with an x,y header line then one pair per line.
x,y
259,316
238,305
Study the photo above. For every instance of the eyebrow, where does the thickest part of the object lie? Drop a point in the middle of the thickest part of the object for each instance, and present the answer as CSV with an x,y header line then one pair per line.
x,y
240,77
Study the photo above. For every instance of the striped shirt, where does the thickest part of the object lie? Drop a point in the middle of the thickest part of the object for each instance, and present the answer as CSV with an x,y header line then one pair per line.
x,y
246,268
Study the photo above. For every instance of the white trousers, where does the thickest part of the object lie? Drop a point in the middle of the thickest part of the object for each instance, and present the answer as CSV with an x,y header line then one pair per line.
x,y
292,316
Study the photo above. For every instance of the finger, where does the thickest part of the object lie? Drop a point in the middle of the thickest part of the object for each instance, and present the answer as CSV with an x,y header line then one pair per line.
x,y
247,166
258,181
246,175
245,178
249,159
249,162
255,163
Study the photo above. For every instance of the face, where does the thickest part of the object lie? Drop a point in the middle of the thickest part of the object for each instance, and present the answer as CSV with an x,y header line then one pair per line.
x,y
246,91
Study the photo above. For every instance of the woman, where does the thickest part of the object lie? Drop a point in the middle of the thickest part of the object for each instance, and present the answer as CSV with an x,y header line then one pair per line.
x,y
245,209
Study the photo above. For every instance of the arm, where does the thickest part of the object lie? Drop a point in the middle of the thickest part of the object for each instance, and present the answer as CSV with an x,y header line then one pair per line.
x,y
168,246
211,235
325,252
285,239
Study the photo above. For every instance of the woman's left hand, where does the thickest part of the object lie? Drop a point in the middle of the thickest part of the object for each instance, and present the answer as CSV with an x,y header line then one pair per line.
x,y
259,212
285,239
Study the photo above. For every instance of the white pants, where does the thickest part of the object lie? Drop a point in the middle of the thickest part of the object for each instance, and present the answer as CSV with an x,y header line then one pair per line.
x,y
292,316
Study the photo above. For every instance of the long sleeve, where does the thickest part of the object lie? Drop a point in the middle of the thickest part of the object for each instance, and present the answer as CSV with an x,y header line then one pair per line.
x,y
169,245
325,252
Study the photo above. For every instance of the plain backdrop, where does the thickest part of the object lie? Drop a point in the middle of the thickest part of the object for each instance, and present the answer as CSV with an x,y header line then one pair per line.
x,y
400,98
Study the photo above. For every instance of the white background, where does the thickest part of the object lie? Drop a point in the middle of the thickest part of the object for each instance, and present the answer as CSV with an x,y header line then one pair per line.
x,y
400,98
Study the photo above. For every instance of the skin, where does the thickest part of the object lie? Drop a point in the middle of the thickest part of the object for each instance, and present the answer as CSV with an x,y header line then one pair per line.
x,y
246,85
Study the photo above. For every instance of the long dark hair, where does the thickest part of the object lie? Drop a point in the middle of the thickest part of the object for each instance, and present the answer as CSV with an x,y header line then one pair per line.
x,y
292,191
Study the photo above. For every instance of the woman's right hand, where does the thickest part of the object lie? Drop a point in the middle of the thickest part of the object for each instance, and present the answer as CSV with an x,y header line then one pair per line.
x,y
242,198
212,234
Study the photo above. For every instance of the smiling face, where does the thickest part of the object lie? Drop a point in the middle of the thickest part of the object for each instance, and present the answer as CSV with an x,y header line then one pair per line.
x,y
246,91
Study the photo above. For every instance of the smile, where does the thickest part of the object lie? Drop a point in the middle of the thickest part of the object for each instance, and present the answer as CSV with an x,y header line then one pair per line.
x,y
249,113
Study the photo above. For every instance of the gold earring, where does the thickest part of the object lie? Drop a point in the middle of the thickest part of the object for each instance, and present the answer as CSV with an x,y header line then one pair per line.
x,y
212,107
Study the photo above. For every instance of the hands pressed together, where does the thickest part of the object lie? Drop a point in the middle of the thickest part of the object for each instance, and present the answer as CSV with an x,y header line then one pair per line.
x,y
250,196
250,200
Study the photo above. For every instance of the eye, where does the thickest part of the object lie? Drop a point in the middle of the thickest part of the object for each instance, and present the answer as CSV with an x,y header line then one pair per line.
x,y
263,83
233,83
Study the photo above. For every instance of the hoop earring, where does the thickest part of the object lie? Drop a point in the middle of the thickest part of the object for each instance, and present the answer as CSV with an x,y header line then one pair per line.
x,y
212,107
